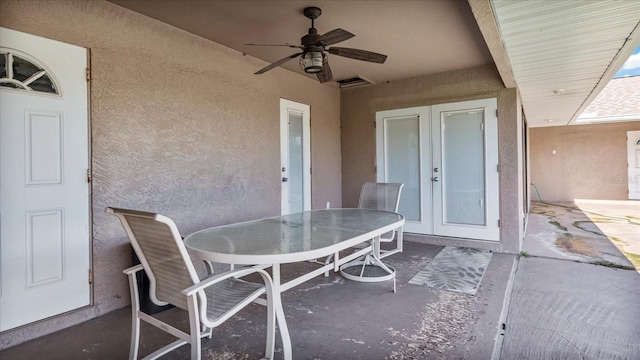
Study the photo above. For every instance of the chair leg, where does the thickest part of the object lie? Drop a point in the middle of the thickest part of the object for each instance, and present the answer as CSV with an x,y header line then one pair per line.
x,y
194,327
135,319
386,268
206,331
327,262
271,328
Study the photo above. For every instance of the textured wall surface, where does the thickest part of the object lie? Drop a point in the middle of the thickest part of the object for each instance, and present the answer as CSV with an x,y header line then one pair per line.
x,y
180,126
359,107
590,161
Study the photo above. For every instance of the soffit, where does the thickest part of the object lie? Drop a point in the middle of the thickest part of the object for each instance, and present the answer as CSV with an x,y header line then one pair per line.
x,y
572,48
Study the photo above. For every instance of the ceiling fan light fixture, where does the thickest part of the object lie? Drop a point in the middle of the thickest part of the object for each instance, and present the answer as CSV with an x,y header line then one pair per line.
x,y
312,62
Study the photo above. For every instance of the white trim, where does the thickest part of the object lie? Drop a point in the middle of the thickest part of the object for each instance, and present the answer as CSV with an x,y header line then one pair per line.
x,y
604,119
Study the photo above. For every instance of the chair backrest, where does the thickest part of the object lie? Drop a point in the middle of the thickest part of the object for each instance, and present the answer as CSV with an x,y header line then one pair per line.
x,y
380,196
159,246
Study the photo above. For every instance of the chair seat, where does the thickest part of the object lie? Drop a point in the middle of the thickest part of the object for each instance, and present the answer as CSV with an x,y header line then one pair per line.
x,y
225,295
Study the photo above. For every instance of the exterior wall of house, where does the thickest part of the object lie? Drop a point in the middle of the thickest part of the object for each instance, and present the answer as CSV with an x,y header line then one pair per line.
x,y
590,161
180,126
359,107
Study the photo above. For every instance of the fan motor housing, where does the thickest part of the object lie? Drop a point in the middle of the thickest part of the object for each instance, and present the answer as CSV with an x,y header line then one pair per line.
x,y
311,39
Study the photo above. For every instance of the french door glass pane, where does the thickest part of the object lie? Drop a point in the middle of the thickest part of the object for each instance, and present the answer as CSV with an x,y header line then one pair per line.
x,y
296,180
463,167
403,162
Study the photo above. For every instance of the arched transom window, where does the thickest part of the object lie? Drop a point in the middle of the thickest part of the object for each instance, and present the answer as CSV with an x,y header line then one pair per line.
x,y
18,72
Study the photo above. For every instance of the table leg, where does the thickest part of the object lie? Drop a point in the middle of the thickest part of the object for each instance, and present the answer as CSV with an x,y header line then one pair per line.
x,y
282,323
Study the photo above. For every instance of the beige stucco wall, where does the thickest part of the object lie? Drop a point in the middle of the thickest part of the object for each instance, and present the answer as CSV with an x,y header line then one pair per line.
x,y
179,125
590,161
359,107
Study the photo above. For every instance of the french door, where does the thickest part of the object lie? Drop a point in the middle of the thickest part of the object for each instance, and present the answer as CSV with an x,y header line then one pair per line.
x,y
447,158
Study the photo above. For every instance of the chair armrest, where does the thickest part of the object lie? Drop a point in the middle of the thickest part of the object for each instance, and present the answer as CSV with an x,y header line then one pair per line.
x,y
134,269
191,290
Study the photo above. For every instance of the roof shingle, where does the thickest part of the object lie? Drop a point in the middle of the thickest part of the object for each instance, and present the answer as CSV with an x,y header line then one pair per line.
x,y
620,97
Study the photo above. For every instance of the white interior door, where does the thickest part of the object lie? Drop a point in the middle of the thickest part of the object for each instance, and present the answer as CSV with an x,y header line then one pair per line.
x,y
44,192
633,164
447,157
295,155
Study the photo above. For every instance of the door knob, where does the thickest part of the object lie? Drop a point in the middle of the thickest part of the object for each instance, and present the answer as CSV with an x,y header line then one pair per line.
x,y
435,179
284,179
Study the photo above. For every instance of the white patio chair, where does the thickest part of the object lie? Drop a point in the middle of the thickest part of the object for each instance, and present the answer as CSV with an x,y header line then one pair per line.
x,y
378,196
209,302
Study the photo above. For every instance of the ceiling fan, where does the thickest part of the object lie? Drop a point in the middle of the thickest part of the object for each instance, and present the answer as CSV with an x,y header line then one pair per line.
x,y
313,58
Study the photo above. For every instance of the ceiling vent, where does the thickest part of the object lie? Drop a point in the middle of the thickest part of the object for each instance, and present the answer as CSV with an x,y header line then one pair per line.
x,y
353,81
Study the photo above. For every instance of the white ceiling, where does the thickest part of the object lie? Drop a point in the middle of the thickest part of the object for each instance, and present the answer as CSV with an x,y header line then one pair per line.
x,y
571,46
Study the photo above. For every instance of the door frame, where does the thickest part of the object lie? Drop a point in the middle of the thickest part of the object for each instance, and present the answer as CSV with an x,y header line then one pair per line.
x,y
632,138
305,110
88,144
491,229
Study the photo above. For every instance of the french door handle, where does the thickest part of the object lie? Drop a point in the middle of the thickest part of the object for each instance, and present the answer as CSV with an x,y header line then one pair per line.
x,y
435,179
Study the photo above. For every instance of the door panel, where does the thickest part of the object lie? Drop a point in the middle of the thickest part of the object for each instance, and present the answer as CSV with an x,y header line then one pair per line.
x,y
44,190
296,163
295,153
463,168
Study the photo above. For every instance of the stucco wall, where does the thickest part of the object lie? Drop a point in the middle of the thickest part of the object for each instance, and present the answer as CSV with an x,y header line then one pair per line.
x,y
359,107
590,161
180,126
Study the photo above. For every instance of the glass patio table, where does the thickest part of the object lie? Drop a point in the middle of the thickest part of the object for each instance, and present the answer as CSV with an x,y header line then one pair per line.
x,y
293,238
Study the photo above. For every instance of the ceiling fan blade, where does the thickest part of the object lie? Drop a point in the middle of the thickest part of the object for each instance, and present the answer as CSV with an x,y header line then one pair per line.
x,y
358,54
287,45
277,63
335,36
326,74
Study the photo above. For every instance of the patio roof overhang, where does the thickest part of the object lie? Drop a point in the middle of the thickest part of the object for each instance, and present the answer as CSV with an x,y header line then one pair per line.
x,y
559,54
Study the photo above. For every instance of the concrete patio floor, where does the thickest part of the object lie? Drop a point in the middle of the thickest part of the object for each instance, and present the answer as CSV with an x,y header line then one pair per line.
x,y
576,295
604,232
572,296
329,318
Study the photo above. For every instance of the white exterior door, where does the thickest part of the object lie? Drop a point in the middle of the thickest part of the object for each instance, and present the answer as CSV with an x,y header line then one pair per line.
x,y
447,157
44,190
633,164
295,155
465,165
